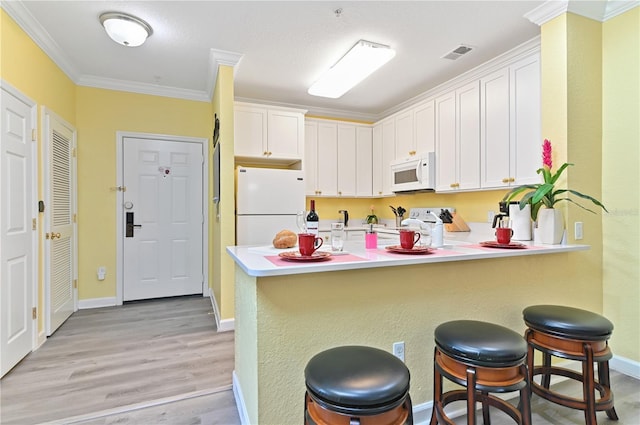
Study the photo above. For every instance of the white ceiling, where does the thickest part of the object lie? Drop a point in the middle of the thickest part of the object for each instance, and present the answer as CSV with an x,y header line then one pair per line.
x,y
283,46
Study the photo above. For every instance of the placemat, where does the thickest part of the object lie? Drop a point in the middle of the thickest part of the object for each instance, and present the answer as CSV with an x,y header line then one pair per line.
x,y
276,260
436,253
486,248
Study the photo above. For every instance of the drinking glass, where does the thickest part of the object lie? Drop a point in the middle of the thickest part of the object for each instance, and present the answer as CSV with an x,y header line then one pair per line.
x,y
301,221
337,236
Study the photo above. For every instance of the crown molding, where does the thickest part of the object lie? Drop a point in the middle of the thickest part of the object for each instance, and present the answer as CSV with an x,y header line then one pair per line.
x,y
599,10
40,36
143,88
313,110
217,58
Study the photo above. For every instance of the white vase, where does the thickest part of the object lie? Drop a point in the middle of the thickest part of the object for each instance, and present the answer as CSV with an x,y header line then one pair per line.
x,y
550,226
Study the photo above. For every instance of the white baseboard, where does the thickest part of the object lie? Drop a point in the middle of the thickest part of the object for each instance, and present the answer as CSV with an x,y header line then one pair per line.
x,y
97,303
237,395
225,325
625,366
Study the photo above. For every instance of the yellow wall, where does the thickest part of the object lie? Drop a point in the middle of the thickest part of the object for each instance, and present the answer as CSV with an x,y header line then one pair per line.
x,y
222,219
100,114
25,66
620,180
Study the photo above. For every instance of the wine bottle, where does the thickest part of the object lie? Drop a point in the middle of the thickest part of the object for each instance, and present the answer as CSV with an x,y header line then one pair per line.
x,y
312,219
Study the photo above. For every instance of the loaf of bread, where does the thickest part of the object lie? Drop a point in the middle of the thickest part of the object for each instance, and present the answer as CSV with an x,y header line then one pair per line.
x,y
285,239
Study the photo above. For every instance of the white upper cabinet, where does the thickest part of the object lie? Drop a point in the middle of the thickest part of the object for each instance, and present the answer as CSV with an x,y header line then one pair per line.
x,y
424,118
510,138
364,161
347,160
327,159
268,133
458,139
526,121
404,140
310,164
377,164
415,130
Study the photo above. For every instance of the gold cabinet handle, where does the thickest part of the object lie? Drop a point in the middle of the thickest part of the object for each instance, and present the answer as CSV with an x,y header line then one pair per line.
x,y
339,192
265,153
512,179
505,180
454,185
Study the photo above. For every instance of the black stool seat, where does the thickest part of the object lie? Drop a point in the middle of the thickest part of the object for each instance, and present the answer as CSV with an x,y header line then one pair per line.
x,y
568,322
481,343
484,358
357,380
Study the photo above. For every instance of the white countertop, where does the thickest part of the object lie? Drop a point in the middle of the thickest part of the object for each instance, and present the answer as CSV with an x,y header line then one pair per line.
x,y
458,247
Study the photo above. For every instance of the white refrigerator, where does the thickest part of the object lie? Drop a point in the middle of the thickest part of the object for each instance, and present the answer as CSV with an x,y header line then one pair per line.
x,y
267,201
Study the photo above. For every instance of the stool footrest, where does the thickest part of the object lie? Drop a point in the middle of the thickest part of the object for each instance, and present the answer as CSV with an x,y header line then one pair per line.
x,y
605,402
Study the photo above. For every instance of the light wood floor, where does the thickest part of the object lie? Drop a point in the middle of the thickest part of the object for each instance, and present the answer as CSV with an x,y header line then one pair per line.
x,y
163,362
131,355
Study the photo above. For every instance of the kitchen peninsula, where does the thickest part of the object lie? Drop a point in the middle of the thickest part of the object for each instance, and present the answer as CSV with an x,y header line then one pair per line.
x,y
287,312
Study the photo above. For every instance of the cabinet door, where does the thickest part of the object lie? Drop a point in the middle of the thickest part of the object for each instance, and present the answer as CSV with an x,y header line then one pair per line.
x,y
424,119
405,145
250,131
310,163
526,139
346,160
388,154
285,134
495,138
364,161
378,168
446,153
327,159
468,137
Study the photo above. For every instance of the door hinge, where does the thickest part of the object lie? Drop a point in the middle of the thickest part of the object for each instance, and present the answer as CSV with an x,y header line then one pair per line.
x,y
75,218
73,152
33,135
34,224
75,283
34,313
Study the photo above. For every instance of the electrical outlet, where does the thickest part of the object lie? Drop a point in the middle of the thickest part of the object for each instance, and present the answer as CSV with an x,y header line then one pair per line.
x,y
102,271
490,215
398,350
577,230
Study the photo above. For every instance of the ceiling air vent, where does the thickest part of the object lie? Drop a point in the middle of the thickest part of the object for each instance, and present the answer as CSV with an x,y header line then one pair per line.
x,y
457,52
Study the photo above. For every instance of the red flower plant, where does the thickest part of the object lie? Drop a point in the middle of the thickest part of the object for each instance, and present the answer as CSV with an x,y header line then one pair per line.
x,y
545,193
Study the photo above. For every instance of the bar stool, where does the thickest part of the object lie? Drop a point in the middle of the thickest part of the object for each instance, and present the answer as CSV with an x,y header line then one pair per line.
x,y
573,334
484,358
353,385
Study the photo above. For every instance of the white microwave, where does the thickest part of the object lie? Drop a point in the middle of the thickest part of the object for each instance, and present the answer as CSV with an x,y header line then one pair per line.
x,y
416,173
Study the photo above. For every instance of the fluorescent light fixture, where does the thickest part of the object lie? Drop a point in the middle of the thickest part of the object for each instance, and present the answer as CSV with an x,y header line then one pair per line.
x,y
125,29
359,62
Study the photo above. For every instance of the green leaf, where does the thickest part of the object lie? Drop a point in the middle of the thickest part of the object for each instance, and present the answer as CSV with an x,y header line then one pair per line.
x,y
556,176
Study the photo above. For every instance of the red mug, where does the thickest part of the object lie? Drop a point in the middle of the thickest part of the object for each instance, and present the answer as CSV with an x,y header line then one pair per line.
x,y
308,243
408,238
503,235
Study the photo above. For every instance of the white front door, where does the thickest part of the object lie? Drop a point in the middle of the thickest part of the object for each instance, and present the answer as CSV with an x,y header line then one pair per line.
x,y
17,224
163,218
60,251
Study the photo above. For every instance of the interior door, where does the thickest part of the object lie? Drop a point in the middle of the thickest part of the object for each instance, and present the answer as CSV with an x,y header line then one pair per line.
x,y
163,218
60,252
17,225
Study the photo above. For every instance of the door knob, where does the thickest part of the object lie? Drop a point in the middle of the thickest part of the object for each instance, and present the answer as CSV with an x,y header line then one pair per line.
x,y
52,236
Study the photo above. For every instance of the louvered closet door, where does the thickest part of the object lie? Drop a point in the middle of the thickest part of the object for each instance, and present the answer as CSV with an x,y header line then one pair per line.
x,y
61,230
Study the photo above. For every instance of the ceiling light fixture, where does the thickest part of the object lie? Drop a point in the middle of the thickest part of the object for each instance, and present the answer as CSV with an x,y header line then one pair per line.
x,y
125,29
359,62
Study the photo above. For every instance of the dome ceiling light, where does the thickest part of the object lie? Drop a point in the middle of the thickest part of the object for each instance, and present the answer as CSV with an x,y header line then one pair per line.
x,y
125,29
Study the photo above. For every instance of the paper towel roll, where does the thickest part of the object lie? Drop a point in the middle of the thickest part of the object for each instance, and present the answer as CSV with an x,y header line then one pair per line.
x,y
520,222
